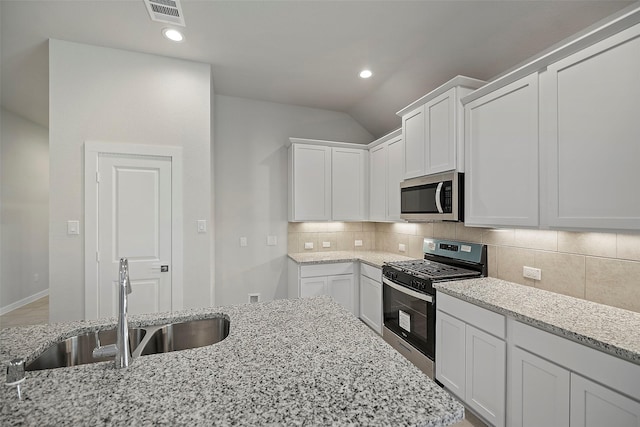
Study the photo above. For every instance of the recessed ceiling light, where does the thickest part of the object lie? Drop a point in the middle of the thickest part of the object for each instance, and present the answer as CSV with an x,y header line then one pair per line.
x,y
173,34
365,74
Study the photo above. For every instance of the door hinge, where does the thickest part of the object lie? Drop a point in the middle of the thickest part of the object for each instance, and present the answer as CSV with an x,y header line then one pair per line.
x,y
97,176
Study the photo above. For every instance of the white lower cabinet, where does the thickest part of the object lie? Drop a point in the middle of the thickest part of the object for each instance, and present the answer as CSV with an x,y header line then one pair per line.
x,y
336,280
557,382
595,405
371,297
540,391
471,356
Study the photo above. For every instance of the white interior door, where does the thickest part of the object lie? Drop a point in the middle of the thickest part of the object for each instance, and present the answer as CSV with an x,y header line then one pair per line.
x,y
134,221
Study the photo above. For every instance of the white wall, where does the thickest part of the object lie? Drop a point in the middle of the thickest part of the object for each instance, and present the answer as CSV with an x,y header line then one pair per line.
x,y
24,210
251,189
109,95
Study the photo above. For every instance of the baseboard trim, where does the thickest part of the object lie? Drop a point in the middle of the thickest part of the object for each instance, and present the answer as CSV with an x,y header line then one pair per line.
x,y
24,301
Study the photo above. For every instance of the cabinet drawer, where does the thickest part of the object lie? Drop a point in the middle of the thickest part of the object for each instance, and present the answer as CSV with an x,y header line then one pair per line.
x,y
333,269
481,318
371,272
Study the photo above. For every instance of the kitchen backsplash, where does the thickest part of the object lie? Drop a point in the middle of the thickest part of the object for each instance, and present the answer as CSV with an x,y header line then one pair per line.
x,y
601,267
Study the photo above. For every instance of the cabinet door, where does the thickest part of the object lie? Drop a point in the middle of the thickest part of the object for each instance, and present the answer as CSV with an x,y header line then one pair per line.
x,y
311,182
378,183
485,375
341,289
450,353
395,175
539,391
348,184
371,303
595,405
440,133
501,139
313,286
592,135
413,132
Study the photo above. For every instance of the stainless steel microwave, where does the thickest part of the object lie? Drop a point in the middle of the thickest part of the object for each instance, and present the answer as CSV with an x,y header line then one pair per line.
x,y
437,197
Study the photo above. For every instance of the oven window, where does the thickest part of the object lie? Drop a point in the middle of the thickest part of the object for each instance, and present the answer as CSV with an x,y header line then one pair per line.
x,y
411,318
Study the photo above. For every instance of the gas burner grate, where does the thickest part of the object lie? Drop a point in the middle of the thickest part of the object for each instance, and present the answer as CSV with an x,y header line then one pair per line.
x,y
431,269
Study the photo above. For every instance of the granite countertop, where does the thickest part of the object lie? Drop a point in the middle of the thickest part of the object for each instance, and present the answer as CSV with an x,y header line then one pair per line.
x,y
286,362
374,258
609,329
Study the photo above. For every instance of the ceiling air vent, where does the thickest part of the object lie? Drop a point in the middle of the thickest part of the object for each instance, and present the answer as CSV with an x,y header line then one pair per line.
x,y
167,11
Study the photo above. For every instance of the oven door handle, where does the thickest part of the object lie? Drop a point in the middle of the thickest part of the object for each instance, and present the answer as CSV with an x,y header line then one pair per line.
x,y
410,292
438,192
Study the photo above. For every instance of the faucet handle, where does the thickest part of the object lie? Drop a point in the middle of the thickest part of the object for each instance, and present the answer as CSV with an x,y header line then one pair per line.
x,y
15,374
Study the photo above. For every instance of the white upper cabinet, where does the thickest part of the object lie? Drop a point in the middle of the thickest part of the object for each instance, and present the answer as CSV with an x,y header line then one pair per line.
x,y
591,134
432,129
309,183
386,173
501,134
348,184
327,181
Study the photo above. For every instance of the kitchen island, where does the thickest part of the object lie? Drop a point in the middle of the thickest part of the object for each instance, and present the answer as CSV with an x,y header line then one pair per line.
x,y
285,362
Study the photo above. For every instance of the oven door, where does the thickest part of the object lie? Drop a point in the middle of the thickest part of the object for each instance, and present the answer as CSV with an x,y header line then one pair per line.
x,y
410,315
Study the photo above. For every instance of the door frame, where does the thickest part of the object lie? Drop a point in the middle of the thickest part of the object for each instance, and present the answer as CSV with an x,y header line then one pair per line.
x,y
92,149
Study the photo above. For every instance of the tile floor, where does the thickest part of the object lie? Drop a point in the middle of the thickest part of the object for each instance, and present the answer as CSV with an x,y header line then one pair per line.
x,y
30,314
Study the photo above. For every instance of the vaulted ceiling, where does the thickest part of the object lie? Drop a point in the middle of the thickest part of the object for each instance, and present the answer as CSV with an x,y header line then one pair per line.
x,y
300,52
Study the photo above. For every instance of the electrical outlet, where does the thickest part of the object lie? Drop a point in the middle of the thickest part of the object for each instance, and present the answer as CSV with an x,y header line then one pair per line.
x,y
254,298
358,243
308,245
402,247
531,273
272,240
326,244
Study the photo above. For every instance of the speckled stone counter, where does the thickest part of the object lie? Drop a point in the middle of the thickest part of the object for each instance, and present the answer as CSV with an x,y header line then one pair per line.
x,y
286,362
374,258
609,329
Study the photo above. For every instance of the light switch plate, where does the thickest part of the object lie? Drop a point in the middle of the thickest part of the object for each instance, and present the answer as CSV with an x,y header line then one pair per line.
x,y
202,226
308,245
358,243
272,240
243,242
402,247
73,227
326,244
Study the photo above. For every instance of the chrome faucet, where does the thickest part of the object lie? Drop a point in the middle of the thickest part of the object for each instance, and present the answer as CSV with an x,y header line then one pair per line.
x,y
121,349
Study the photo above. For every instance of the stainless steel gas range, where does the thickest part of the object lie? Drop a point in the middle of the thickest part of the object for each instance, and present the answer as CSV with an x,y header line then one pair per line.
x,y
409,299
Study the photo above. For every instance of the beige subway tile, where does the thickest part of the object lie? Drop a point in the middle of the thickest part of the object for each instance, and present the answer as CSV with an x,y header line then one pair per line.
x,y
368,240
546,240
368,226
352,226
424,229
295,227
383,227
292,243
499,237
403,228
416,244
469,234
561,273
492,261
613,282
510,263
327,237
595,244
444,230
345,241
307,238
628,246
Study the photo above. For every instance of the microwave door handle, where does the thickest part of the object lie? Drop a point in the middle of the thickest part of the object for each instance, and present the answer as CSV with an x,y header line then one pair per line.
x,y
438,204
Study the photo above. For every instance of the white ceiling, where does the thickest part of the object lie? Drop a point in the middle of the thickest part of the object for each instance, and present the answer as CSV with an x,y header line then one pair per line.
x,y
300,52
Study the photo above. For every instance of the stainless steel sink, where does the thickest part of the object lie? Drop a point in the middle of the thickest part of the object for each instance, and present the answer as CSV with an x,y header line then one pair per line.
x,y
185,335
77,350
